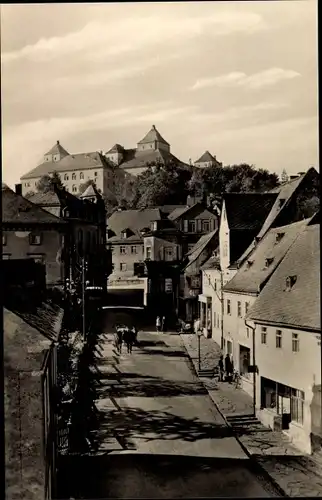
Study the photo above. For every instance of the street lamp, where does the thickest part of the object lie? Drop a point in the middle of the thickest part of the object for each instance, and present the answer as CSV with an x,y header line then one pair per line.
x,y
199,333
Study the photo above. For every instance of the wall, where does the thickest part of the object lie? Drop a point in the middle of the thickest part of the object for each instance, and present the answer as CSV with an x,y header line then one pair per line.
x,y
158,247
299,370
128,258
236,331
19,248
224,247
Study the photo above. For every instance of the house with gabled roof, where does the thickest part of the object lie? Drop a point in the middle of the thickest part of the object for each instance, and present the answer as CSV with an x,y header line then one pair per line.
x,y
287,331
207,160
74,170
152,149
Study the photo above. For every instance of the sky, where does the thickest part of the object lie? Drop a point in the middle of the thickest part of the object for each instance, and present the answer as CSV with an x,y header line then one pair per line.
x,y
236,78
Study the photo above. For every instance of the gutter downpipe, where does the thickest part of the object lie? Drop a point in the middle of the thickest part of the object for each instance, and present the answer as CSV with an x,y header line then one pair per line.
x,y
254,364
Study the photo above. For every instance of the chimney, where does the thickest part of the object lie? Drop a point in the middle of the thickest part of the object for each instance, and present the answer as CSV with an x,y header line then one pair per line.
x,y
292,177
153,126
18,189
57,143
190,200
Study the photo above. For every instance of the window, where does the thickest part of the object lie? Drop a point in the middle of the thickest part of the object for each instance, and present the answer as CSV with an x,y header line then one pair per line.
x,y
66,177
246,307
35,239
123,266
6,256
205,226
95,174
74,177
278,339
113,267
81,175
247,333
239,309
297,405
228,307
264,335
215,322
74,189
290,282
148,252
122,250
133,249
269,261
295,342
4,240
168,252
191,226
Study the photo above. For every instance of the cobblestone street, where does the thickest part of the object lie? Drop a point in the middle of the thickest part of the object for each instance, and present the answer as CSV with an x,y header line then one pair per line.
x,y
297,474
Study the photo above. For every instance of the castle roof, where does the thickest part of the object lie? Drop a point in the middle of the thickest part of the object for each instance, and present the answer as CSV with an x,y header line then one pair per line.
x,y
206,157
76,162
57,149
117,148
153,135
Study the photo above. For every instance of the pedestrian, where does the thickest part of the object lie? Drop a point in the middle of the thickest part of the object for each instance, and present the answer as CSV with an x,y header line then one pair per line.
x,y
128,339
163,323
135,335
228,366
119,339
221,368
158,323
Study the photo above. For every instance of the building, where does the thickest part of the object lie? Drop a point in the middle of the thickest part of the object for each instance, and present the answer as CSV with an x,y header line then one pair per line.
x,y
240,293
29,232
287,322
207,160
57,229
190,281
74,170
125,241
194,220
151,149
30,334
242,217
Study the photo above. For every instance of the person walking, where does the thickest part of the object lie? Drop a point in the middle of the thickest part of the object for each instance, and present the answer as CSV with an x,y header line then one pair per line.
x,y
128,339
119,338
163,324
135,335
158,323
221,368
228,366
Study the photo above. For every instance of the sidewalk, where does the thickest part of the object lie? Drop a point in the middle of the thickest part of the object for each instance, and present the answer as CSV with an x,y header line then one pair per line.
x,y
296,474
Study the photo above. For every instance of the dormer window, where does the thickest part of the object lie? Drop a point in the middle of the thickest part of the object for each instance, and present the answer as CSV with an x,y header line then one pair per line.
x,y
256,240
279,236
124,234
290,282
250,263
269,261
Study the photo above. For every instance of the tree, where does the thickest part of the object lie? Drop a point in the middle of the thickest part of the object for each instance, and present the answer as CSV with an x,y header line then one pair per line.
x,y
284,176
47,183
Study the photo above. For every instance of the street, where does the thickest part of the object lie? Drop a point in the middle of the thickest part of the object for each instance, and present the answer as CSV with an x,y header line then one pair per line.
x,y
161,436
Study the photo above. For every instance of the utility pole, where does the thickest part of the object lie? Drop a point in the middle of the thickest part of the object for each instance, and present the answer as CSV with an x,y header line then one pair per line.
x,y
83,300
254,367
221,299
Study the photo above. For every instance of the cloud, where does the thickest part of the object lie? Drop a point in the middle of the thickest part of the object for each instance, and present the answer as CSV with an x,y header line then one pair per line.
x,y
133,33
255,81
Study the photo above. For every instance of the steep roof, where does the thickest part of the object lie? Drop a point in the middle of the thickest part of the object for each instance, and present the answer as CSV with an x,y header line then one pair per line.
x,y
206,157
250,278
16,209
199,247
153,135
300,306
57,149
117,148
248,210
180,211
90,192
80,161
132,219
50,198
142,158
212,263
285,193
